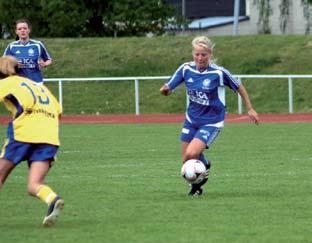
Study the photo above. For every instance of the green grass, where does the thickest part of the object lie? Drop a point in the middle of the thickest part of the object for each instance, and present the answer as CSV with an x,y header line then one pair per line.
x,y
161,56
121,183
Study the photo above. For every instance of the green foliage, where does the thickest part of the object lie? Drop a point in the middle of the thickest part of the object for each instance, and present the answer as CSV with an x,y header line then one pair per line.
x,y
122,183
64,18
148,16
265,11
12,10
307,15
284,10
60,18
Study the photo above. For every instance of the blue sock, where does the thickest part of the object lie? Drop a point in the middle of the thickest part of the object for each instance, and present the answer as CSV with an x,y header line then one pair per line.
x,y
206,163
203,159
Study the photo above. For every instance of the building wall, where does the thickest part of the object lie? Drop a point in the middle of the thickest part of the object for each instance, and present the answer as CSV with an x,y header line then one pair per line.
x,y
195,9
220,30
296,22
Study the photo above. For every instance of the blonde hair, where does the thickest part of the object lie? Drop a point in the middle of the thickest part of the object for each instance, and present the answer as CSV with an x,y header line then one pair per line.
x,y
7,66
203,41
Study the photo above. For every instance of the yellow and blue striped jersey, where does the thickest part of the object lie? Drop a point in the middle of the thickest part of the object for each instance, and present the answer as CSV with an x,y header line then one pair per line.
x,y
34,108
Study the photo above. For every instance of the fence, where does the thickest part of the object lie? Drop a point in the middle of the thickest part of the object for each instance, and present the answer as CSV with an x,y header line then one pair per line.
x,y
136,80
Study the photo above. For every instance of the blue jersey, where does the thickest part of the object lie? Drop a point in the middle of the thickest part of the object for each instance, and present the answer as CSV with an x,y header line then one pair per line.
x,y
205,92
28,54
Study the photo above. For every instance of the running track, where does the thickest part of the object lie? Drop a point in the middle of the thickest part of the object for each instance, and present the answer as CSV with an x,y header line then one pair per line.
x,y
174,118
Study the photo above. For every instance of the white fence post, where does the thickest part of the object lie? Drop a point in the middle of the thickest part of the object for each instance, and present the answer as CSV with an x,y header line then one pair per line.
x,y
239,101
60,91
290,96
239,104
137,97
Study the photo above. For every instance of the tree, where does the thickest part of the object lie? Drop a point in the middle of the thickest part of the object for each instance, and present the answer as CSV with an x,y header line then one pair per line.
x,y
128,17
12,10
59,18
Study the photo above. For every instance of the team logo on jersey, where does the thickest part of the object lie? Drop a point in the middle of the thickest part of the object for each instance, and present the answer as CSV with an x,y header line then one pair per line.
x,y
31,52
185,130
190,80
17,52
206,83
205,133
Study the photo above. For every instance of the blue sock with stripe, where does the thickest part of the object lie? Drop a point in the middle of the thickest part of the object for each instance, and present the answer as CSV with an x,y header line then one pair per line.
x,y
203,159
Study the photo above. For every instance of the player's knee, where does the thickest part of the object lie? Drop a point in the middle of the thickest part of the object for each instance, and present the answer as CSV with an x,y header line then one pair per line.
x,y
1,178
5,169
31,189
190,155
3,175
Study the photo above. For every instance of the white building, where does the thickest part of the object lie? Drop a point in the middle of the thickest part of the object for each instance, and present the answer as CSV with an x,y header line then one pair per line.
x,y
276,17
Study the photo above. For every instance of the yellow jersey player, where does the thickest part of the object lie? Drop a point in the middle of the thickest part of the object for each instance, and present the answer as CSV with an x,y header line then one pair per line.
x,y
32,135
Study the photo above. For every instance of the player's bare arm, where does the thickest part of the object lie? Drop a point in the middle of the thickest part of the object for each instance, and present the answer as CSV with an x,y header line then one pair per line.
x,y
250,110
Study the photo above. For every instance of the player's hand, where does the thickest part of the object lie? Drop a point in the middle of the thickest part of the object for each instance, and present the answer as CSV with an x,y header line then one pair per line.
x,y
19,64
165,90
253,116
41,63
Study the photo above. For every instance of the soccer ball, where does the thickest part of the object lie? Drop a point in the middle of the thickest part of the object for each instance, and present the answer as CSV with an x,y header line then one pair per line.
x,y
194,171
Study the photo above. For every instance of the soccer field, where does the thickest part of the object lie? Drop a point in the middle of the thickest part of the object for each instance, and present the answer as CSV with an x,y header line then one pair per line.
x,y
122,183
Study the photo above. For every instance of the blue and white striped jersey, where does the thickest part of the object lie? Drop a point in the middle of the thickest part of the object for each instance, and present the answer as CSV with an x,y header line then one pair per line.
x,y
205,92
28,56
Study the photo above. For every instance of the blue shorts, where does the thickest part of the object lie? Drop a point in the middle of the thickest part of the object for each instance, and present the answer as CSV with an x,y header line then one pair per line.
x,y
18,151
207,134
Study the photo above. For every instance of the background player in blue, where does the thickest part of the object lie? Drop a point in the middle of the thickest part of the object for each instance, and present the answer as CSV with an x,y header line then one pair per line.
x,y
205,114
33,134
31,54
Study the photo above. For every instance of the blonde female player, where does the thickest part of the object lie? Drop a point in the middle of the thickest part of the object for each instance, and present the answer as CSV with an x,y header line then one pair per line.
x,y
205,114
32,134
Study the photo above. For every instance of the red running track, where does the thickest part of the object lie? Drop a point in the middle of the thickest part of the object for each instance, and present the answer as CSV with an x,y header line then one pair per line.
x,y
175,118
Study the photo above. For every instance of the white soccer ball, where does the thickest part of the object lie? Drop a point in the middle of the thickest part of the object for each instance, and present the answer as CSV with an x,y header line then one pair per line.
x,y
194,171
